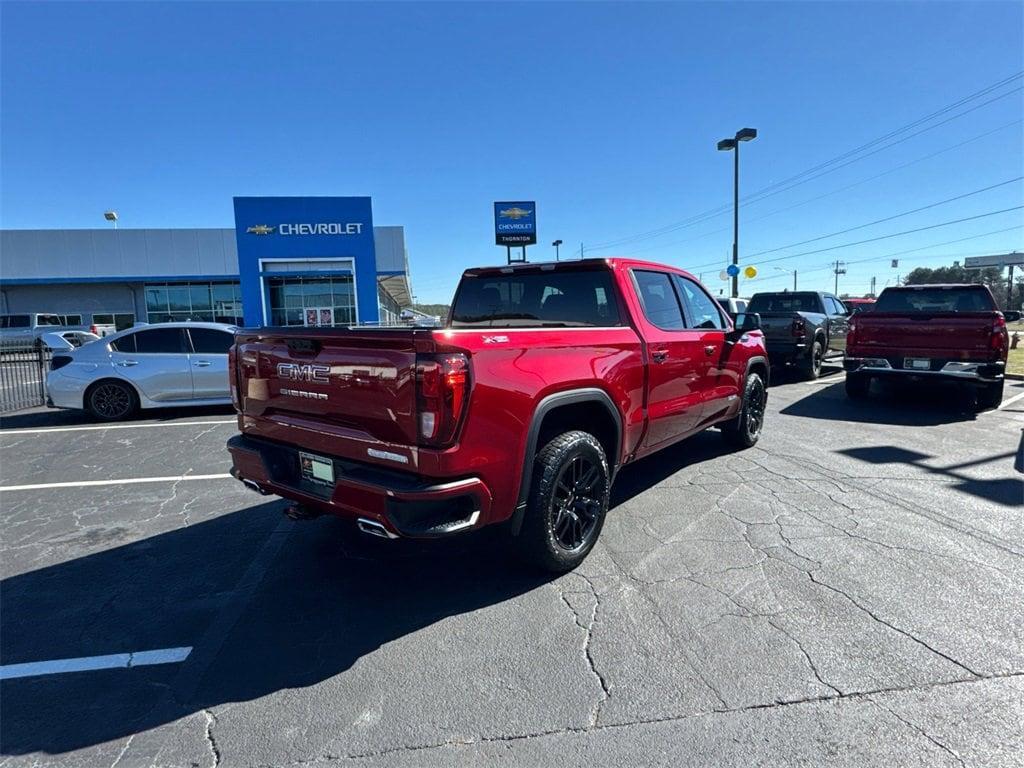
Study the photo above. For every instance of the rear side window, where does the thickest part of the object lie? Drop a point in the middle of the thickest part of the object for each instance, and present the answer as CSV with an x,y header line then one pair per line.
x,y
207,341
658,299
967,298
48,320
16,321
702,311
834,307
157,341
542,298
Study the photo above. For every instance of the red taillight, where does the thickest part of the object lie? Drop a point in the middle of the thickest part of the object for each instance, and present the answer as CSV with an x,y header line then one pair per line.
x,y
851,336
998,340
92,329
233,378
798,329
442,391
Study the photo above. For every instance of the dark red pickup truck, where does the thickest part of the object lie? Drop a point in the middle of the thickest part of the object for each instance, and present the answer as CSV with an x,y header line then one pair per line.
x,y
930,332
547,380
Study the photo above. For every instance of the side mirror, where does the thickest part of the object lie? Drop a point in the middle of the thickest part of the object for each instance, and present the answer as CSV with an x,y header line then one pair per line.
x,y
1011,316
745,322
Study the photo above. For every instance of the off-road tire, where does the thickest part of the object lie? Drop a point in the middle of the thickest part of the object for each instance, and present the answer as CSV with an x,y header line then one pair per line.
x,y
539,541
745,429
857,385
810,366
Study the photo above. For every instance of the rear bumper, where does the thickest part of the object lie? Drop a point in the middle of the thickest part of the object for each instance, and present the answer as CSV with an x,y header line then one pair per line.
x,y
968,371
785,351
406,505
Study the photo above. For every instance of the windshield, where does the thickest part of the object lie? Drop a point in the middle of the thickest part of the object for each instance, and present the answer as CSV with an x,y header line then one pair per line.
x,y
785,302
532,299
967,298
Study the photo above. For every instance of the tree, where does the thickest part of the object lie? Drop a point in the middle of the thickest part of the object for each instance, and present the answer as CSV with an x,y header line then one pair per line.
x,y
990,276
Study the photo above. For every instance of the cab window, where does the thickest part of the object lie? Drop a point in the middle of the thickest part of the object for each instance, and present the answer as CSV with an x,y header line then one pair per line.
x,y
658,299
702,311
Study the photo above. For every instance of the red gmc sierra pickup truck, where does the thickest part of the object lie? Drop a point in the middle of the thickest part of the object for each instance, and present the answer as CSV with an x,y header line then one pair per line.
x,y
547,379
930,332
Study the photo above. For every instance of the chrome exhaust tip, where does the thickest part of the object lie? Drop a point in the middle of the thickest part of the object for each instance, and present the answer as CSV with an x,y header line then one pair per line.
x,y
373,528
253,486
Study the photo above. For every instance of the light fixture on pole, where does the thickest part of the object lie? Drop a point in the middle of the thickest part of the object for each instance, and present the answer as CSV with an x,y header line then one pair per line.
x,y
556,243
111,216
744,134
787,271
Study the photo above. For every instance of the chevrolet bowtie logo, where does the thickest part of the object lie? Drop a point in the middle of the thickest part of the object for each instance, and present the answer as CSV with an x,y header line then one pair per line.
x,y
514,213
261,229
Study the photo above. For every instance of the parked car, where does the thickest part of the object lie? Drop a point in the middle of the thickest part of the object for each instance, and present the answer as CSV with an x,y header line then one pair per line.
x,y
802,328
157,366
858,305
24,330
547,380
931,332
734,307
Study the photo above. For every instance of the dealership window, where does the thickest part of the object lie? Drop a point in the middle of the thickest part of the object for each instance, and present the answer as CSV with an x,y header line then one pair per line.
x,y
315,301
390,312
210,302
120,320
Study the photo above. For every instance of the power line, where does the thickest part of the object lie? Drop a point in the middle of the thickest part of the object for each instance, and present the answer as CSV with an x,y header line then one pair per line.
x,y
830,193
887,218
767,191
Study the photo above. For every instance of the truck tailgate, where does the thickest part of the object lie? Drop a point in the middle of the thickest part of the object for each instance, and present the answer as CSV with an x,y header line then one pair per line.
x,y
346,382
955,334
777,325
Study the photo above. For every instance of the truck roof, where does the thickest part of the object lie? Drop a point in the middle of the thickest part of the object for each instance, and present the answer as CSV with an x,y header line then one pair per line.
x,y
612,262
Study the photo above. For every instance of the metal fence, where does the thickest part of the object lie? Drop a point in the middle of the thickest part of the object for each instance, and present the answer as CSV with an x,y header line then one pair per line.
x,y
23,377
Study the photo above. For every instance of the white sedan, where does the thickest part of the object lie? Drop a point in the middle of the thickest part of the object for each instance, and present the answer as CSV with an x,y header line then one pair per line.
x,y
154,366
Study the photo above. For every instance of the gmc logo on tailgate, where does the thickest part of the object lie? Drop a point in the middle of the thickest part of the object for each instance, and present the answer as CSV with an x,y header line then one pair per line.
x,y
313,373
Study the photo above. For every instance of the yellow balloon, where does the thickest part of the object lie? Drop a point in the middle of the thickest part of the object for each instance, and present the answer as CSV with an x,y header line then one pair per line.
x,y
750,272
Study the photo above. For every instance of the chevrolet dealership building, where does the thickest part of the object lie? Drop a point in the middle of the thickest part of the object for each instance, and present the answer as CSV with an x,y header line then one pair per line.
x,y
287,261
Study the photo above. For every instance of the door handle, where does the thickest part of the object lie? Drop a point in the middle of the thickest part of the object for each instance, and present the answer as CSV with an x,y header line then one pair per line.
x,y
659,355
201,363
709,349
127,363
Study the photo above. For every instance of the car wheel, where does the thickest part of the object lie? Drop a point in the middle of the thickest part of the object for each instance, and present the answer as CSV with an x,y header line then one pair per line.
x,y
990,396
745,429
568,502
857,385
810,366
111,400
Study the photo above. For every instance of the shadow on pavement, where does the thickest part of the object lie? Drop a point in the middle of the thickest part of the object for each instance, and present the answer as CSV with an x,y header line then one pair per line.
x,y
897,405
315,610
59,417
1008,491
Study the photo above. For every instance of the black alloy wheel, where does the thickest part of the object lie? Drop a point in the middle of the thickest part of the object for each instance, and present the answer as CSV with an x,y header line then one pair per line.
x,y
111,401
576,503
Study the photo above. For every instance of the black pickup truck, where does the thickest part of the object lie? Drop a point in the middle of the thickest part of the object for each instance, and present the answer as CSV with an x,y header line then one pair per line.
x,y
802,328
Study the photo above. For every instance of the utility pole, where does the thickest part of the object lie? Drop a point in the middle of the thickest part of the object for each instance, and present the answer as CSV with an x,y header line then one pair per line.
x,y
872,285
840,269
581,249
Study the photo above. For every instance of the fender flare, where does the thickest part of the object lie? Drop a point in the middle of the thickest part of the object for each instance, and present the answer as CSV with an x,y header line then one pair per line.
x,y
544,407
763,360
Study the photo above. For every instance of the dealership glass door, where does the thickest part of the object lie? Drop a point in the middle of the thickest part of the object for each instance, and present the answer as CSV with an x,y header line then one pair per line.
x,y
311,301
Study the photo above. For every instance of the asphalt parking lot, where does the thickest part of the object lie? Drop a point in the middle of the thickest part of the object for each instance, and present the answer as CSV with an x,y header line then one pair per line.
x,y
849,592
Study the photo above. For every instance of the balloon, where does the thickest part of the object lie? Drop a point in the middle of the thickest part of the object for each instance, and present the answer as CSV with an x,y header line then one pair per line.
x,y
750,272
724,275
733,270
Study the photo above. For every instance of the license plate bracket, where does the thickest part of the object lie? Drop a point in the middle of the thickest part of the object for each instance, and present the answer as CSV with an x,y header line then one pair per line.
x,y
316,469
917,363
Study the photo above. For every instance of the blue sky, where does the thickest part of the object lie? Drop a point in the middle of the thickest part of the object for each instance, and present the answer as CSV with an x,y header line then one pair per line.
x,y
606,114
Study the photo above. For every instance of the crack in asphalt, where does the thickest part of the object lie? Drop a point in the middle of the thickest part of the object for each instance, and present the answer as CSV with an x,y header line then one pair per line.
x,y
921,731
588,633
211,741
808,700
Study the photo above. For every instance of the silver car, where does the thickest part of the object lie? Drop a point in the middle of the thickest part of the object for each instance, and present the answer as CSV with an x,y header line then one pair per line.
x,y
154,366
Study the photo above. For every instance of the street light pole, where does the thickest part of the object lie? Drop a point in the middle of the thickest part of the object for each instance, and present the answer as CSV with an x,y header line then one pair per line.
x,y
556,243
783,269
744,134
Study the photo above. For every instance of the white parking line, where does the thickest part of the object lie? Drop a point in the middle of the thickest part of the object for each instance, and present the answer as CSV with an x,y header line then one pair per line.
x,y
1009,400
125,481
87,663
112,426
830,379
